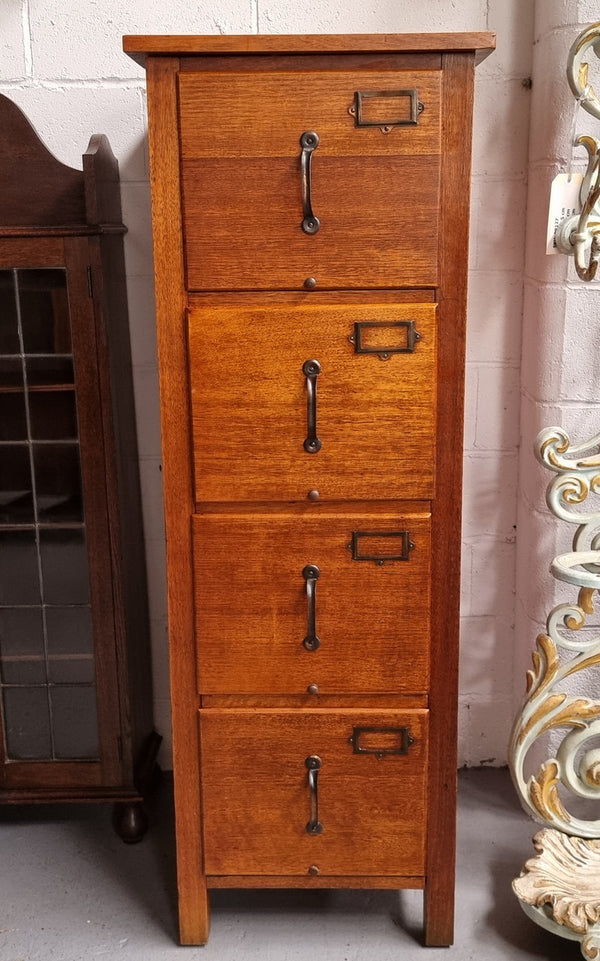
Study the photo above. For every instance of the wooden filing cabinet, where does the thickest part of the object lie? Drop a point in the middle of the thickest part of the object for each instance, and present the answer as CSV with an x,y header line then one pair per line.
x,y
310,210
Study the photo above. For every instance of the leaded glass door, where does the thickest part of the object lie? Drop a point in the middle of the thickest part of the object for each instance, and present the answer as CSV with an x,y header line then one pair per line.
x,y
56,623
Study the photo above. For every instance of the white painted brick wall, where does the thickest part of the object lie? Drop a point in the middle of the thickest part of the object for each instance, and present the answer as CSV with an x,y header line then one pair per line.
x,y
12,43
561,342
63,64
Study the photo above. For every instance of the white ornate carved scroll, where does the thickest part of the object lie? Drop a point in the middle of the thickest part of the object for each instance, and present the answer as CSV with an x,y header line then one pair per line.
x,y
578,68
565,650
580,235
560,888
564,657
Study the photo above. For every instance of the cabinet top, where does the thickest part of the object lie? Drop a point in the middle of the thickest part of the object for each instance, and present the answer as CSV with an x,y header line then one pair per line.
x,y
139,47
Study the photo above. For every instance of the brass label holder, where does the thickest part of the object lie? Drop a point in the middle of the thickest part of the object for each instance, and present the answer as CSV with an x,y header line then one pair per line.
x,y
360,109
381,741
401,546
362,328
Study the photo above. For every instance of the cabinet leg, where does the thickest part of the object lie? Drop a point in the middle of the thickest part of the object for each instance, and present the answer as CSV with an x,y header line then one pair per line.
x,y
130,821
439,916
194,913
147,771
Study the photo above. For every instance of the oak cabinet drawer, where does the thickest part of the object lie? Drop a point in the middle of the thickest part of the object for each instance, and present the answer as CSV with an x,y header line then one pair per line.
x,y
270,808
373,402
284,601
374,178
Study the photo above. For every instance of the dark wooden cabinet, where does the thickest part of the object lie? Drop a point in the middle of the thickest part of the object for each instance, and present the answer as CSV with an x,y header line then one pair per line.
x,y
75,678
311,209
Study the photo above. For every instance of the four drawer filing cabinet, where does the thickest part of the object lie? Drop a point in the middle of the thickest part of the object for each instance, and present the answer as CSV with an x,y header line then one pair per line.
x,y
310,212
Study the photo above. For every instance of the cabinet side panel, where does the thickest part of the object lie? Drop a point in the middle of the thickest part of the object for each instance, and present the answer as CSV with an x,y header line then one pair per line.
x,y
103,206
172,348
132,630
457,107
93,466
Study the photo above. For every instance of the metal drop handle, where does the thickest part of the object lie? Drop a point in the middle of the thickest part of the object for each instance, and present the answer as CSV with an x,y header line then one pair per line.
x,y
311,370
313,763
311,575
309,141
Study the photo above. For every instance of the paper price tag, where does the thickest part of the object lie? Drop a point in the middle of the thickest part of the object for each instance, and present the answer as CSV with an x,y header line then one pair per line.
x,y
564,202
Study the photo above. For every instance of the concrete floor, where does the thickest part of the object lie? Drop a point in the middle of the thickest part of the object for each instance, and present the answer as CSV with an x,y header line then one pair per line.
x,y
70,890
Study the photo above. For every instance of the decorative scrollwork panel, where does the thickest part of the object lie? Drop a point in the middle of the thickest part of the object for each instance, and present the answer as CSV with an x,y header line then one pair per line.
x,y
565,653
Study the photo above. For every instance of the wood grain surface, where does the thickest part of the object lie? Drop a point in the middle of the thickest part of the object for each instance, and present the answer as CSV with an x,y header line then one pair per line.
x,y
375,193
257,799
251,605
376,419
138,47
226,115
172,347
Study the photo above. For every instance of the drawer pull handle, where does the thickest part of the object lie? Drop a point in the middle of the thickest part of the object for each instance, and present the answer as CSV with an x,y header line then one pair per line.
x,y
311,575
311,370
309,141
313,764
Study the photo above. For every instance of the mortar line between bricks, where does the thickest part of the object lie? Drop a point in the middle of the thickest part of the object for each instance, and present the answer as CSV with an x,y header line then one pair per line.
x,y
99,83
27,44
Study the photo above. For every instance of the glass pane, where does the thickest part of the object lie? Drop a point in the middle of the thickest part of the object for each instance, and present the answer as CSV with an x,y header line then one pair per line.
x,y
13,422
46,635
53,414
19,579
49,371
70,644
74,722
21,631
23,670
27,723
16,495
58,483
22,646
71,670
64,566
11,372
44,311
9,335
69,630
